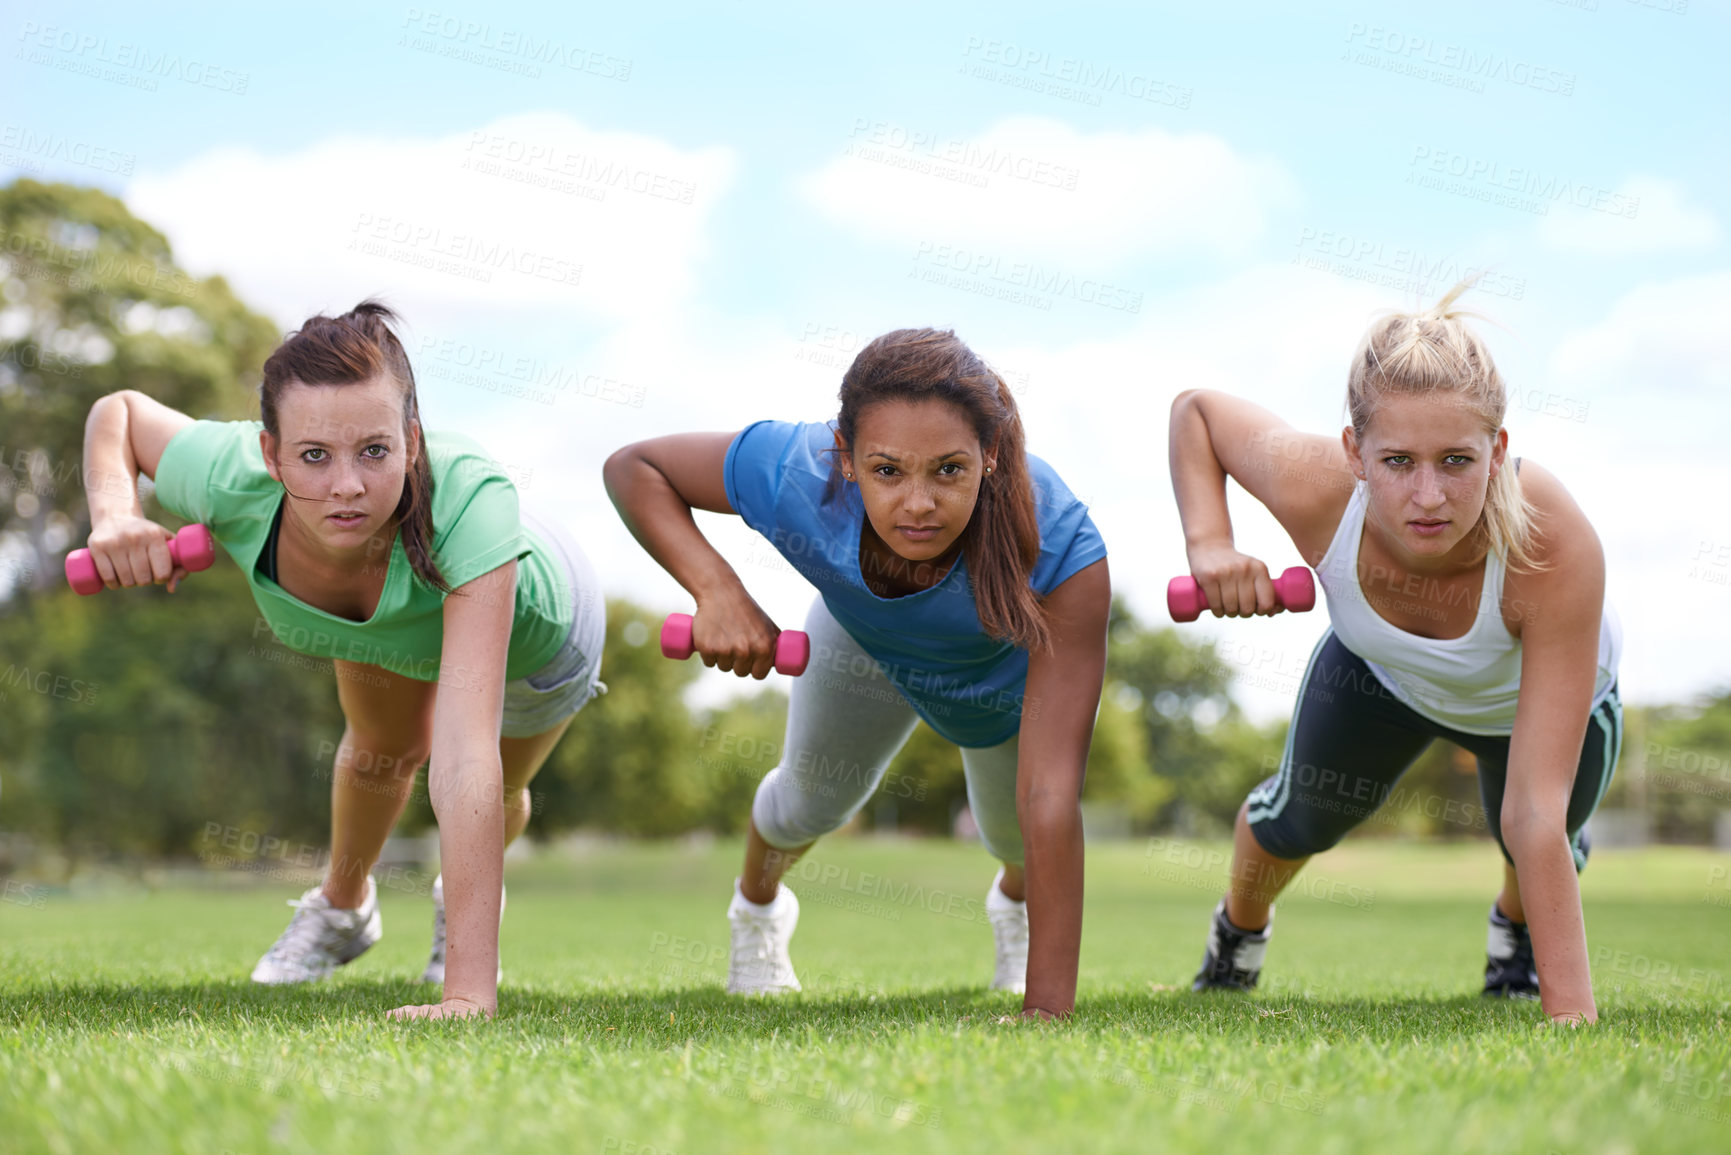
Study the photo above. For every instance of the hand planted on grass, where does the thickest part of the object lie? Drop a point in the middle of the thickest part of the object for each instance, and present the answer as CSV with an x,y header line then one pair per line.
x,y
1029,1015
1571,1019
458,1008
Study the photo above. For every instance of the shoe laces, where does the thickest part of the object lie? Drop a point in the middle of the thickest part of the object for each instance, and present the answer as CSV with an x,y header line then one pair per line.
x,y
310,929
1011,927
1225,943
753,935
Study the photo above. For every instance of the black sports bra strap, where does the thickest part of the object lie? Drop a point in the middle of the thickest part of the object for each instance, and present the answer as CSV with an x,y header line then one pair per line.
x,y
267,560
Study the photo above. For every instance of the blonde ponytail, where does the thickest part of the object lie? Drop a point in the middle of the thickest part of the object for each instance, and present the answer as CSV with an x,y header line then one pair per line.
x,y
1434,352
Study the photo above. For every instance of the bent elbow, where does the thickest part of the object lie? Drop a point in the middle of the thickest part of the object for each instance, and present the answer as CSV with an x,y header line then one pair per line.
x,y
121,397
1526,829
617,467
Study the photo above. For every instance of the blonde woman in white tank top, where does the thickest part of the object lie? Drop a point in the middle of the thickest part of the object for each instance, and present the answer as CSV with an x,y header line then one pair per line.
x,y
1467,603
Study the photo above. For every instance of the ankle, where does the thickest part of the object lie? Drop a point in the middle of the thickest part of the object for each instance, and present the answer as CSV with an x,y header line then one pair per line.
x,y
345,895
1246,921
758,900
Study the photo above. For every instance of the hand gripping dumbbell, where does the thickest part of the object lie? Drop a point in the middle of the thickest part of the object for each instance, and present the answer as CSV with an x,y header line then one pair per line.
x,y
191,549
1294,590
792,647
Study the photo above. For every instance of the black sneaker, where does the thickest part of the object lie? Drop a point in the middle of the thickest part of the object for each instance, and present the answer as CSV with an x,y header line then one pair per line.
x,y
1510,972
1234,956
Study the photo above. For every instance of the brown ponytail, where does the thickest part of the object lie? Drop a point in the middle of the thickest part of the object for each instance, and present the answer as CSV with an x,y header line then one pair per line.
x,y
1002,540
347,350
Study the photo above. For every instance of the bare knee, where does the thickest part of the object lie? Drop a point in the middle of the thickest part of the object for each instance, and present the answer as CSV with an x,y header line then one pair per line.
x,y
380,756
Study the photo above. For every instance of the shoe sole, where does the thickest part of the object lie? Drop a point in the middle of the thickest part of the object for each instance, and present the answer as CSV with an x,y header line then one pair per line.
x,y
767,991
373,932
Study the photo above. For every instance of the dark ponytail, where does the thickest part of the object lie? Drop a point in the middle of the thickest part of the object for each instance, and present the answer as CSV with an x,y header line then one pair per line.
x,y
1002,540
347,350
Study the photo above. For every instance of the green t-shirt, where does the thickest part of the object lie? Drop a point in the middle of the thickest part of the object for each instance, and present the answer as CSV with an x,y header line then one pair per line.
x,y
213,472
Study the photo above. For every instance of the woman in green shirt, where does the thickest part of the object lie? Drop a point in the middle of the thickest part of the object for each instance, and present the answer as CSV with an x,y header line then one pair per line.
x,y
459,628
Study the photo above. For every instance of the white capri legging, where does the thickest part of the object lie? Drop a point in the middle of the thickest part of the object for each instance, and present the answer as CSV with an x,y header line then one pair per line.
x,y
845,722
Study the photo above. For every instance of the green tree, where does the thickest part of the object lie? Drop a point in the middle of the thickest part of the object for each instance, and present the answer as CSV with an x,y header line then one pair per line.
x,y
629,762
1197,739
1677,765
93,303
131,719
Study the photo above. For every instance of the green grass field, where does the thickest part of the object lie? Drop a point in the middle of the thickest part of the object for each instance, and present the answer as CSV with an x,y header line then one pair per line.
x,y
127,1023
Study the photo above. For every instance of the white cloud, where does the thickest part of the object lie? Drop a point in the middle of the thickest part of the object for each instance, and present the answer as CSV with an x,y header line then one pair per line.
x,y
533,210
1650,470
1037,186
1660,340
1647,215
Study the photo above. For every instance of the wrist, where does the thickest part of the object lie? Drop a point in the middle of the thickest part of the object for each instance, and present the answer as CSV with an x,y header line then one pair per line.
x,y
1050,1006
1211,539
107,502
719,590
471,1002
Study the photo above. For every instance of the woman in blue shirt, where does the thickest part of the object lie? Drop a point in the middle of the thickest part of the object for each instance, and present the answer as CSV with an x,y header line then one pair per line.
x,y
959,581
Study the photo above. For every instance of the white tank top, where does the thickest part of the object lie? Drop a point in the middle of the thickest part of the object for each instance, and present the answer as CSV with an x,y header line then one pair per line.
x,y
1470,683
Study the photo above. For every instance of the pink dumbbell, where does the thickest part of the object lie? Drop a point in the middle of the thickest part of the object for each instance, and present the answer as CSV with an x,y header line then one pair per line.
x,y
792,647
1294,590
191,549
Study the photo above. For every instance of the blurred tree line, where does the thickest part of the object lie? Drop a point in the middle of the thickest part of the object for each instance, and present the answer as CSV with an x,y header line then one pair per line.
x,y
130,722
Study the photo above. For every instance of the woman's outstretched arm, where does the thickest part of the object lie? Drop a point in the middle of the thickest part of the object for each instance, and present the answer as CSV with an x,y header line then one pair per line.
x,y
1058,710
1559,665
466,784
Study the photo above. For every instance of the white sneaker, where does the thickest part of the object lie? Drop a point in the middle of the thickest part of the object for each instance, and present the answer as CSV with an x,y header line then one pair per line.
x,y
320,938
1009,920
435,972
758,963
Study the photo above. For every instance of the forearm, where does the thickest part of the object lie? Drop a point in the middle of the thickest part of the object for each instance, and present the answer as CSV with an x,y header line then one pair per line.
x,y
1198,478
1551,896
1052,849
466,788
110,469
664,526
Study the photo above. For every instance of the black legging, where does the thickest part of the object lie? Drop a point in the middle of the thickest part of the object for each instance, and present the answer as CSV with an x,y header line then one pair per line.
x,y
1351,740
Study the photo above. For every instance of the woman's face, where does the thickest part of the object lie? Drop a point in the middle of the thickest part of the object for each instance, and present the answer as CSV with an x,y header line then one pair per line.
x,y
919,467
1429,461
342,456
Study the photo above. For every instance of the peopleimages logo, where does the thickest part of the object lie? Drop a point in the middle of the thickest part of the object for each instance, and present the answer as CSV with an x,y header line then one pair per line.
x,y
1455,64
1545,188
134,65
1033,281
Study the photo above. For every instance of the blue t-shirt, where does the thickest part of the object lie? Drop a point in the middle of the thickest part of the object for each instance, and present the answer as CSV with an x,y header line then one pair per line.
x,y
967,685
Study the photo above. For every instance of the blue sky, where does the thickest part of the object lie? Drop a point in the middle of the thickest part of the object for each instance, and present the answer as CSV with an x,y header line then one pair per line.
x,y
657,218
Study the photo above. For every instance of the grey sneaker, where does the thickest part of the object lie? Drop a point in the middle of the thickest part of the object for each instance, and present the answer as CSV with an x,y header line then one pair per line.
x,y
758,964
320,938
1009,920
435,972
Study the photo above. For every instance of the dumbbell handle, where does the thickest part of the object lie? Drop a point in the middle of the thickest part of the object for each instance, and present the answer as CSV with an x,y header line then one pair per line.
x,y
1294,590
792,647
191,548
